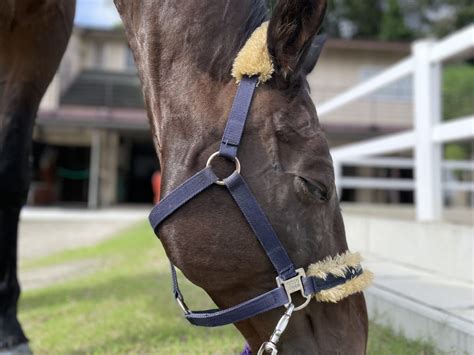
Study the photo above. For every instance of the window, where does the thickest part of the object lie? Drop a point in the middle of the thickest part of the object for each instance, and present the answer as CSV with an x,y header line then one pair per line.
x,y
401,90
129,60
98,55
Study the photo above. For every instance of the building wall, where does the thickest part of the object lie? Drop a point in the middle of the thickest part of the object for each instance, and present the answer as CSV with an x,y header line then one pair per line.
x,y
63,136
72,62
86,53
50,101
339,70
108,169
109,55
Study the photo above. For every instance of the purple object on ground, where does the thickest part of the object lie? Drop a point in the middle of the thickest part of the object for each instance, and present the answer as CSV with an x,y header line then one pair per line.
x,y
246,351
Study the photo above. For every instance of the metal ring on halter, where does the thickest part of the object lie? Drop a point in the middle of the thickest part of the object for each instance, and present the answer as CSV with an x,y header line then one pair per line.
x,y
217,154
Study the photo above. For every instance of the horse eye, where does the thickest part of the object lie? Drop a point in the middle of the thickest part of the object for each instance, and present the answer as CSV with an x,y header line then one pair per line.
x,y
314,189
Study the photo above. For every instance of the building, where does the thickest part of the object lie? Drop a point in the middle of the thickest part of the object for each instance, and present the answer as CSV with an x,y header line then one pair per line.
x,y
92,144
346,63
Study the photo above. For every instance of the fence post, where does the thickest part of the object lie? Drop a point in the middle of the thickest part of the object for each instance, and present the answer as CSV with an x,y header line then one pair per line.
x,y
427,113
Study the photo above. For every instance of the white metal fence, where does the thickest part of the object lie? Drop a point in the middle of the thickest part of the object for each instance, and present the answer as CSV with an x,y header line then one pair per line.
x,y
401,184
429,133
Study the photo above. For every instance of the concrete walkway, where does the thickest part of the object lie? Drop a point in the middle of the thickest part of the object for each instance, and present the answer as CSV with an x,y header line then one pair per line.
x,y
423,283
422,305
46,231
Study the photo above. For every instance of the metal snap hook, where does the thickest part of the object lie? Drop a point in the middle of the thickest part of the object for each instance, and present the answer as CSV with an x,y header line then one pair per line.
x,y
268,347
271,345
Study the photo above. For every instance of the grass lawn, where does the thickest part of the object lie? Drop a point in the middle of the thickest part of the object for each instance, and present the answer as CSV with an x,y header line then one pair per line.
x,y
126,306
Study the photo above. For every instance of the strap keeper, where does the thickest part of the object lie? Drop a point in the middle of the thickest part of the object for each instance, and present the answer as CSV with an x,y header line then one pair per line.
x,y
227,142
183,305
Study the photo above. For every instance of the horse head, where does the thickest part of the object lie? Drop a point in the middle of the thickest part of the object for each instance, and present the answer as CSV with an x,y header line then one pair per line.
x,y
187,53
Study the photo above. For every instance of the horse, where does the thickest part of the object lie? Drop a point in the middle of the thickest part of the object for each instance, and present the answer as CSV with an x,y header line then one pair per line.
x,y
185,53
33,37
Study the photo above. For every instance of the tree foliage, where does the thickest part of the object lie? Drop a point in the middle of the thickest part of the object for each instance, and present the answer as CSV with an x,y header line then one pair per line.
x,y
440,17
395,19
393,25
354,18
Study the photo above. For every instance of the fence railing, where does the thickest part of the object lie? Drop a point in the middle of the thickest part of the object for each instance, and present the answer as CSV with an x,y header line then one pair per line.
x,y
429,133
402,184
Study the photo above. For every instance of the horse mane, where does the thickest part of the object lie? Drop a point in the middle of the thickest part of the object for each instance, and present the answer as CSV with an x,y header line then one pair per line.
x,y
254,13
258,14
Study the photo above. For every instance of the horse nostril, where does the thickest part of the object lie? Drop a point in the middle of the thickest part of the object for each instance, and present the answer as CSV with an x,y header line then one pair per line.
x,y
315,189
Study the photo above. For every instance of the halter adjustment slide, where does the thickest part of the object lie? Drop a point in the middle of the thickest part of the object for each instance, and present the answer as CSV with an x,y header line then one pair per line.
x,y
294,285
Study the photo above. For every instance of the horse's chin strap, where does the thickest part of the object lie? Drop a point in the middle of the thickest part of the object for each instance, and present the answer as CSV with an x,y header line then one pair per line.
x,y
326,276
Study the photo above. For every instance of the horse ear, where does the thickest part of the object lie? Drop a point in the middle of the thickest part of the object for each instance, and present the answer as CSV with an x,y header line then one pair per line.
x,y
293,25
312,54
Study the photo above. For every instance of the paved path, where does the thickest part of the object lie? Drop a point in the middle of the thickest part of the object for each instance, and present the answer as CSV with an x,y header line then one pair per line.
x,y
424,283
45,232
422,304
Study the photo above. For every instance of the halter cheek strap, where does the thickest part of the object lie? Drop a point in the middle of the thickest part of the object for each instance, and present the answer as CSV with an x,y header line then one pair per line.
x,y
289,279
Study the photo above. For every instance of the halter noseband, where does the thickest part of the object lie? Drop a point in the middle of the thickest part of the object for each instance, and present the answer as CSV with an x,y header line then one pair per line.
x,y
335,273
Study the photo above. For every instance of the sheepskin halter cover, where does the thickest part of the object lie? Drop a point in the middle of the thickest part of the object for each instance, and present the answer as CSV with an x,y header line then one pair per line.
x,y
254,60
337,266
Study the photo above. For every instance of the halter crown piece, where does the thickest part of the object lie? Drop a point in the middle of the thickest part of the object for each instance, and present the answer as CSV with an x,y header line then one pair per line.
x,y
329,280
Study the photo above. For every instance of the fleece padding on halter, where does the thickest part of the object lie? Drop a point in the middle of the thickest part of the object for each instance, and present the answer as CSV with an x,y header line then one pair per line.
x,y
338,266
254,58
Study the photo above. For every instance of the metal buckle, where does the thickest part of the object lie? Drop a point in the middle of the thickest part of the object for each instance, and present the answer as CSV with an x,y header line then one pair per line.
x,y
293,285
217,154
183,306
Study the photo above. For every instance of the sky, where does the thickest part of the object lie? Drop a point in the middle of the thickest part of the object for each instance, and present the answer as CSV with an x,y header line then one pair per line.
x,y
96,13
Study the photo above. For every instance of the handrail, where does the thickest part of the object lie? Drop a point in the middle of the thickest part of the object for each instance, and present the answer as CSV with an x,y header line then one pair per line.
x,y
455,130
429,133
385,145
404,163
389,76
453,45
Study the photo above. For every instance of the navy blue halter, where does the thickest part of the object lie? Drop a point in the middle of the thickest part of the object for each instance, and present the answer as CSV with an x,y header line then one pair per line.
x,y
289,280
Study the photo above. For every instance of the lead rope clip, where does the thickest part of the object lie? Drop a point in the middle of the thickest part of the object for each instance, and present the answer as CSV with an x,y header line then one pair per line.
x,y
271,345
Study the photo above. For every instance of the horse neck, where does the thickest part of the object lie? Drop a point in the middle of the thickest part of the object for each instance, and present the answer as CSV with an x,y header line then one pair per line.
x,y
184,52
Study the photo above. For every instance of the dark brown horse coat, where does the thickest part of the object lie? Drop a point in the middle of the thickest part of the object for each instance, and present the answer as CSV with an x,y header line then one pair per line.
x,y
33,37
184,52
